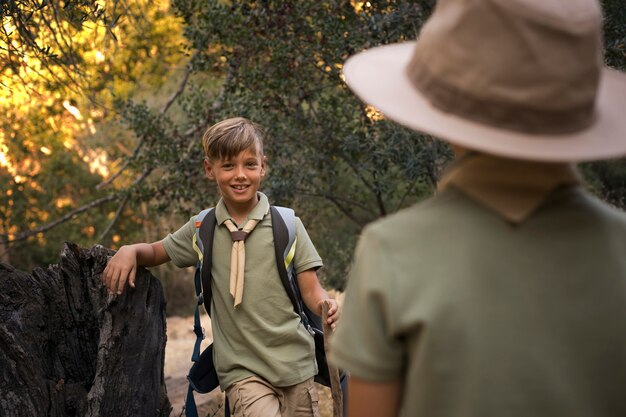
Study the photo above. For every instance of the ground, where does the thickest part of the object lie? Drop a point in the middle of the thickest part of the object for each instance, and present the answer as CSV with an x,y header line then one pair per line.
x,y
180,341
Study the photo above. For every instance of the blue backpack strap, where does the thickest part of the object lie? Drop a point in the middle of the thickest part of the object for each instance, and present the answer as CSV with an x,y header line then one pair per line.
x,y
190,404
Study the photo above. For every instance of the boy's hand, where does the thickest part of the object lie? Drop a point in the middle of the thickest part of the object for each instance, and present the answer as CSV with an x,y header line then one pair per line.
x,y
121,268
333,312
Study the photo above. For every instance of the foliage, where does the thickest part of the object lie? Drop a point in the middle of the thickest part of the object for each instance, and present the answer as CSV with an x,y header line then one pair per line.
x,y
340,163
608,178
39,36
615,33
42,181
323,142
62,65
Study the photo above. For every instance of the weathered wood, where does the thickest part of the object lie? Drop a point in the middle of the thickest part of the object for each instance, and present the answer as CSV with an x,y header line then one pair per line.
x,y
335,382
67,348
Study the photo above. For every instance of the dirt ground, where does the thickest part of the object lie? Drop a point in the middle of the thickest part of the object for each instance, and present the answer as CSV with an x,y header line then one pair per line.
x,y
180,342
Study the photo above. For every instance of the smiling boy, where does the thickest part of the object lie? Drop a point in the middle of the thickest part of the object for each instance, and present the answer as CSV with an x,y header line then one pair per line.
x,y
264,357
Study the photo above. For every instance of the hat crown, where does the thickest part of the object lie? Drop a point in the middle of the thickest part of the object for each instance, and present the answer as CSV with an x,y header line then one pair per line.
x,y
526,65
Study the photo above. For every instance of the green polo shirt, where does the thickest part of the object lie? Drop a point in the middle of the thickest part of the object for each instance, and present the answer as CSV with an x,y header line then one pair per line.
x,y
481,316
263,336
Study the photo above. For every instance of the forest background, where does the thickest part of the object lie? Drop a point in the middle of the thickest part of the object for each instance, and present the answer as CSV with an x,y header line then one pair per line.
x,y
104,104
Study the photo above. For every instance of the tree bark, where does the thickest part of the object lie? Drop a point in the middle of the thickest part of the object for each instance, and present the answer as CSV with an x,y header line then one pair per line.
x,y
67,348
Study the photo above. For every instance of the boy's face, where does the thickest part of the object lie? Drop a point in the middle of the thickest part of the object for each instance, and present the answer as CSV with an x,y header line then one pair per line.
x,y
238,178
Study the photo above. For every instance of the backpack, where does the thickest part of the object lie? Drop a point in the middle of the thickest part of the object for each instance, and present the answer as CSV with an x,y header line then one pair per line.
x,y
202,376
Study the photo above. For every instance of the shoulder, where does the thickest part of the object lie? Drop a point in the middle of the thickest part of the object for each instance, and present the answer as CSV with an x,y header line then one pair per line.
x,y
598,211
426,233
422,220
178,245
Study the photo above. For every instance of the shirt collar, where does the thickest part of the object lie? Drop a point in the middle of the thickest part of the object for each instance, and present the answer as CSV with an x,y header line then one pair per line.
x,y
258,212
512,188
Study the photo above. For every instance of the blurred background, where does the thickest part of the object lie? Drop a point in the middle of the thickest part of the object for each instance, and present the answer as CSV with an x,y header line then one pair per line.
x,y
104,104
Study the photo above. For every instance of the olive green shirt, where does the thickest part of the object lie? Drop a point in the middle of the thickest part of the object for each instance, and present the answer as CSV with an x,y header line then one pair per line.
x,y
482,316
263,336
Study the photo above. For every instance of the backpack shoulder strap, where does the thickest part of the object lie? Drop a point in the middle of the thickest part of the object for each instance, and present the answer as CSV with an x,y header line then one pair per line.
x,y
206,216
205,234
284,231
197,240
289,219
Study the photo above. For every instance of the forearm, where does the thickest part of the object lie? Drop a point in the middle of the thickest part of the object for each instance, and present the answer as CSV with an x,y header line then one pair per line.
x,y
313,299
312,293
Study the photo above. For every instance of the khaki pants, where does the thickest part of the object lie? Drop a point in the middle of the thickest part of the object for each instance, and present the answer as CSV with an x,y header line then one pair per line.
x,y
255,397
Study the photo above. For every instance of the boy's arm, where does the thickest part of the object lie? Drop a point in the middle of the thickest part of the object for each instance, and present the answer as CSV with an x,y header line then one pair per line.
x,y
314,295
122,267
373,399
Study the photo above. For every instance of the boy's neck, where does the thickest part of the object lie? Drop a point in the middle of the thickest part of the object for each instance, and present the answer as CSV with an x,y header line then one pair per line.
x,y
239,212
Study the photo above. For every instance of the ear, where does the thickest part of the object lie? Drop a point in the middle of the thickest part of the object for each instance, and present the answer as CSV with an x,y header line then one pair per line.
x,y
208,169
263,165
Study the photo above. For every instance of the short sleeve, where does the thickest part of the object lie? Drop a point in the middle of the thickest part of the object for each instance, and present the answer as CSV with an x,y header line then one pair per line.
x,y
306,256
364,343
179,245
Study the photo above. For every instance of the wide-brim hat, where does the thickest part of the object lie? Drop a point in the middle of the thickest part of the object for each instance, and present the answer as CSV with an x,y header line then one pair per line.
x,y
516,78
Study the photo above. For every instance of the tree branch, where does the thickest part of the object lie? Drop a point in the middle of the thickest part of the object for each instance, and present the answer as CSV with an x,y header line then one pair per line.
x,y
164,110
345,211
44,228
119,211
63,219
338,202
407,191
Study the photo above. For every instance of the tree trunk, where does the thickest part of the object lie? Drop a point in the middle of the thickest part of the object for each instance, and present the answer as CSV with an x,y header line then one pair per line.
x,y
67,348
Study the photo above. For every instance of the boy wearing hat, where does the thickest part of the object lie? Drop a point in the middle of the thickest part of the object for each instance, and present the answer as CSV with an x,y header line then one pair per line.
x,y
505,294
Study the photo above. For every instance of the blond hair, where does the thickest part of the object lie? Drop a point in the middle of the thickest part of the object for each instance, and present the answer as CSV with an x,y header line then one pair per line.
x,y
228,138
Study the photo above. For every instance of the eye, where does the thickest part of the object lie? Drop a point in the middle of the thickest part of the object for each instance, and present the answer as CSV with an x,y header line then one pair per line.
x,y
252,164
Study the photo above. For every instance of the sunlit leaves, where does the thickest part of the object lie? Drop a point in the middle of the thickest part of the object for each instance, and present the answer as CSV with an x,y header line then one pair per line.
x,y
38,38
61,73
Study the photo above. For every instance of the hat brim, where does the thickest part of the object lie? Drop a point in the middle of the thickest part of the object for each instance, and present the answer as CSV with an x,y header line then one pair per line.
x,y
378,77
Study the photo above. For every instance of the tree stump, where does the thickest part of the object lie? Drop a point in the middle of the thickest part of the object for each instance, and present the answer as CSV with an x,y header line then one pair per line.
x,y
68,348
